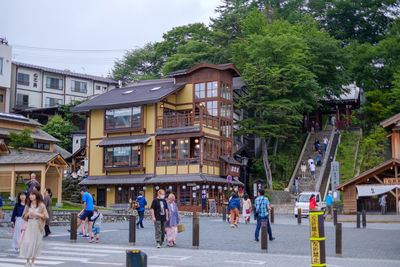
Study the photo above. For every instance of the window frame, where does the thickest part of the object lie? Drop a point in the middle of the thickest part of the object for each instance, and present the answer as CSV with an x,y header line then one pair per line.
x,y
56,105
23,96
125,129
74,88
1,65
49,84
23,81
139,166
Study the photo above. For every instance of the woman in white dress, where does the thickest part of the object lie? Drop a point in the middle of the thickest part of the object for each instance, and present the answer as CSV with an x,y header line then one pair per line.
x,y
36,214
16,219
246,208
303,168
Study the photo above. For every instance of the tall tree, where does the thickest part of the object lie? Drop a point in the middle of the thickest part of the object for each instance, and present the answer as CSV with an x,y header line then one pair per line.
x,y
61,129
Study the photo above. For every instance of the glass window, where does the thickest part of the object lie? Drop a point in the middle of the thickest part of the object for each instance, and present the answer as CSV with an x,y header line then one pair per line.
x,y
79,87
41,146
54,83
22,100
98,87
1,65
212,108
52,102
200,90
183,148
23,79
108,157
123,156
1,98
123,118
212,89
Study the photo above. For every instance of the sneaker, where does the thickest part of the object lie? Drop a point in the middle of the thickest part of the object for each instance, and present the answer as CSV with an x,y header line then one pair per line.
x,y
97,240
232,226
91,240
158,245
272,239
80,234
256,240
87,235
236,225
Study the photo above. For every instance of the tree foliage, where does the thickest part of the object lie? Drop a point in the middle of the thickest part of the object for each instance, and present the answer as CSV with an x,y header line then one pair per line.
x,y
22,139
61,129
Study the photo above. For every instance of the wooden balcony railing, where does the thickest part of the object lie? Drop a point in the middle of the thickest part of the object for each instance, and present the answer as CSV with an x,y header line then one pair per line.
x,y
189,119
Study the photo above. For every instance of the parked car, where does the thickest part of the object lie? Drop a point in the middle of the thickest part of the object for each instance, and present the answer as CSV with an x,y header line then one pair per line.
x,y
302,202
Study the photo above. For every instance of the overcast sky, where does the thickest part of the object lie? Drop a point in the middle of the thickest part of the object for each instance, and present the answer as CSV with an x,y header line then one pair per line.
x,y
108,25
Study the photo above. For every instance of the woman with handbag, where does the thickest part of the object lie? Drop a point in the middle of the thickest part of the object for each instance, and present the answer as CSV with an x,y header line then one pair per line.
x,y
17,222
48,203
173,221
36,214
246,209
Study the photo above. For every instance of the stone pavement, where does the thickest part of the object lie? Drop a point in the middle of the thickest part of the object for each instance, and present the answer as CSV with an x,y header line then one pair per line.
x,y
377,245
371,218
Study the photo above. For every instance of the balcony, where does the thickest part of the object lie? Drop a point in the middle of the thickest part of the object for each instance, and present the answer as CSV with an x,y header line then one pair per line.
x,y
188,119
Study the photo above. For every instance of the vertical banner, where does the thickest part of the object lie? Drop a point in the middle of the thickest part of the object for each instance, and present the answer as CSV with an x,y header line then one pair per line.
x,y
317,238
335,179
255,189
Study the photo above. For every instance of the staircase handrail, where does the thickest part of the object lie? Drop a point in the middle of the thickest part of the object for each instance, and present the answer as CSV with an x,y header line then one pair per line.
x,y
325,160
298,163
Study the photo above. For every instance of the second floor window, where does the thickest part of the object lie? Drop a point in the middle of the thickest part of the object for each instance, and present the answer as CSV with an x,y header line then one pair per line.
x,y
54,83
22,100
23,79
123,118
79,87
1,65
52,102
122,156
203,90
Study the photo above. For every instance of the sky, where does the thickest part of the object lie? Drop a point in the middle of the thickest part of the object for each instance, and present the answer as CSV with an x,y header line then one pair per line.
x,y
87,36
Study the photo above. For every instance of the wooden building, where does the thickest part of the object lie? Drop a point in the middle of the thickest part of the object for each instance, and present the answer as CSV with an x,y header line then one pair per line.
x,y
383,178
174,133
44,157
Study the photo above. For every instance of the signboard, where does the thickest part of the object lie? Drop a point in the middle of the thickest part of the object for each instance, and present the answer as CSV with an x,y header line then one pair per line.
x,y
374,190
317,238
255,190
211,206
229,178
335,179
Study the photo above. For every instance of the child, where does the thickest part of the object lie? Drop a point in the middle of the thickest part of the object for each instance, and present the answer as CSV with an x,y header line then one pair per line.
x,y
96,219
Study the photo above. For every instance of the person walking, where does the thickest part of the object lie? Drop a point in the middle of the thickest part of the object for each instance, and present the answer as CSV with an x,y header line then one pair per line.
x,y
141,200
35,214
262,207
382,203
173,221
312,170
234,207
16,219
48,203
329,205
246,208
32,183
312,203
159,214
303,169
86,212
316,145
96,219
325,143
296,186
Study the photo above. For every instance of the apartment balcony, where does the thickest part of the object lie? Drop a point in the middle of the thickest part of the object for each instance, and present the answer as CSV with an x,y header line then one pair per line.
x,y
187,120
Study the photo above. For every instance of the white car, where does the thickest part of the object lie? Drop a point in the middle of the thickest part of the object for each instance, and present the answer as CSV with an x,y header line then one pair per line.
x,y
302,202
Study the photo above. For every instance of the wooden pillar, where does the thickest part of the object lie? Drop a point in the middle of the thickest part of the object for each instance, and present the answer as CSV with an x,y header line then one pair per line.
x,y
42,179
396,173
59,185
337,118
12,193
348,114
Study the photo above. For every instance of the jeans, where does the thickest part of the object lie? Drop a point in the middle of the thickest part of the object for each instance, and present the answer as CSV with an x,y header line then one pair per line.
x,y
159,227
259,220
141,216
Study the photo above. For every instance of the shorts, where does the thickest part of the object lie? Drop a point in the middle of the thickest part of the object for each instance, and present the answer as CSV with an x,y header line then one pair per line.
x,y
96,230
86,214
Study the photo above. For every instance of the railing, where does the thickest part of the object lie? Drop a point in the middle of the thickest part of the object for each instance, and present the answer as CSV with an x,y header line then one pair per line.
x,y
189,119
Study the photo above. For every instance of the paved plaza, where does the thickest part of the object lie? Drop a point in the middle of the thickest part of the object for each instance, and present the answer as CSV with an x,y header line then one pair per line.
x,y
377,245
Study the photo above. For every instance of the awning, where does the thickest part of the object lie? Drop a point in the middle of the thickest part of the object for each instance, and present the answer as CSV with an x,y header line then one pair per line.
x,y
374,190
125,140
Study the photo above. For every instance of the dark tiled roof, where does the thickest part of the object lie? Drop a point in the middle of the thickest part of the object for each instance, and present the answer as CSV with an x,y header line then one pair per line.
x,y
18,118
230,160
67,73
125,140
38,135
30,156
135,95
115,179
178,130
226,66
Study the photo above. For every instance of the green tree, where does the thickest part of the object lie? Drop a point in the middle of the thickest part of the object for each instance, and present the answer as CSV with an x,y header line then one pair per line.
x,y
61,129
22,139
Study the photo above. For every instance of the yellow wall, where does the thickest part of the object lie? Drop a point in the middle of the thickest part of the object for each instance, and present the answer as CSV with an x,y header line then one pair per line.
x,y
110,199
185,95
95,158
148,194
97,123
149,119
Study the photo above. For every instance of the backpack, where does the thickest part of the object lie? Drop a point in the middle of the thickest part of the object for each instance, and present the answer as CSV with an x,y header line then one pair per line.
x,y
137,205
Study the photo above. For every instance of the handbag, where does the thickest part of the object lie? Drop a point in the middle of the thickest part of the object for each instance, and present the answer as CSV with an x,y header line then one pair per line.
x,y
247,211
22,234
181,227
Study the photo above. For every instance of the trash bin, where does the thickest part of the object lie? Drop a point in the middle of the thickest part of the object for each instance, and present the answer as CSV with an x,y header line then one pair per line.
x,y
136,258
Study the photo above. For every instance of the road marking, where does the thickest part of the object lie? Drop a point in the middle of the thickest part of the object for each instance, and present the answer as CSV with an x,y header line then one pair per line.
x,y
88,249
68,234
170,257
15,260
253,262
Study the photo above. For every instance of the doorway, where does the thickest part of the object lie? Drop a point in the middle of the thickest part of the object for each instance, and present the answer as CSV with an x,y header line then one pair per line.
x,y
101,197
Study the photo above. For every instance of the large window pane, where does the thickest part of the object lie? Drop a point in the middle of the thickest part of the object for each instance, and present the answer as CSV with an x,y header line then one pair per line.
x,y
23,79
121,156
136,117
108,157
122,118
54,83
183,148
135,156
80,87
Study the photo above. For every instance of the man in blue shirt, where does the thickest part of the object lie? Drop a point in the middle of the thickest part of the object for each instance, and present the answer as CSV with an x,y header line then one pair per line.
x,y
329,205
86,212
262,207
142,204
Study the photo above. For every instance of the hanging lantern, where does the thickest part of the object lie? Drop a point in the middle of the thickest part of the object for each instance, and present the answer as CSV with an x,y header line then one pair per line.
x,y
213,186
132,188
170,187
157,187
119,188
183,187
144,187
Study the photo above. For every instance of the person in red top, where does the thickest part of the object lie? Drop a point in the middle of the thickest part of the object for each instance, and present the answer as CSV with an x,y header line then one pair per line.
x,y
313,203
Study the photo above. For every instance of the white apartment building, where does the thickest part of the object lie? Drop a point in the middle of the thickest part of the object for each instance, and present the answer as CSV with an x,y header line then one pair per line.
x,y
41,87
5,75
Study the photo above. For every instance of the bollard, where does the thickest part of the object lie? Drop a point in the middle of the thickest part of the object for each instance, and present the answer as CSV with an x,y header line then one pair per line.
x,y
334,216
298,216
136,258
338,231
358,219
132,230
73,234
272,215
195,232
264,236
317,238
364,219
223,213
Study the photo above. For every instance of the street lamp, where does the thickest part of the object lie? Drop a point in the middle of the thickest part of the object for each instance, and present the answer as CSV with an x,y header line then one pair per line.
x,y
245,160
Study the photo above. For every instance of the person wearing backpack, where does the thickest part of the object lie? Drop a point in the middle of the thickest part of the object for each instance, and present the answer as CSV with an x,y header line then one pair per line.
x,y
140,205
